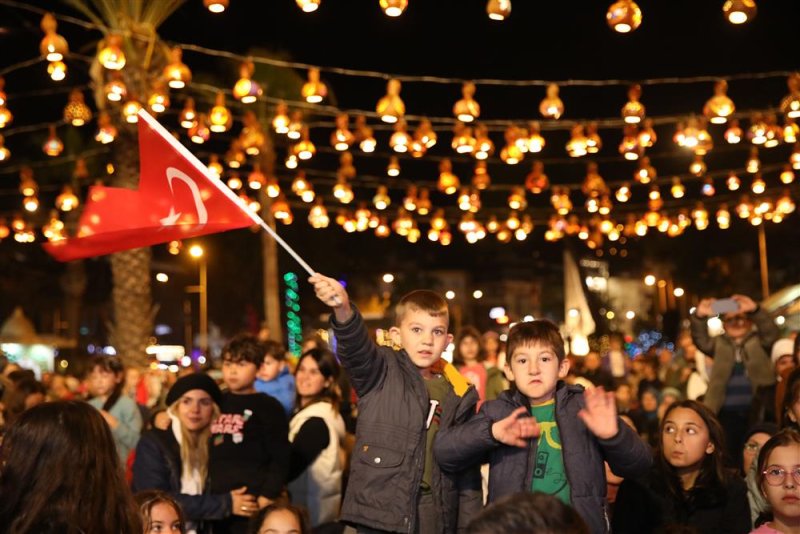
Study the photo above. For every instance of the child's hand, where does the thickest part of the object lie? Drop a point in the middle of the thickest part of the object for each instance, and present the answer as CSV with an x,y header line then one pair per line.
x,y
746,304
600,413
516,429
333,294
242,504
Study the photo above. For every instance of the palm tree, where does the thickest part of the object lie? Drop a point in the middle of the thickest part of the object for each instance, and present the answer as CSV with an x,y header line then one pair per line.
x,y
136,22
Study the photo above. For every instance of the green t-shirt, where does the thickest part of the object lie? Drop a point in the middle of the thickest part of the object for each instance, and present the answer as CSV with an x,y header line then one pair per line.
x,y
549,474
437,391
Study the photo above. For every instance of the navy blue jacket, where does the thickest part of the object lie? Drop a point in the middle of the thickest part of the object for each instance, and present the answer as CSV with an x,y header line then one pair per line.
x,y
511,468
157,465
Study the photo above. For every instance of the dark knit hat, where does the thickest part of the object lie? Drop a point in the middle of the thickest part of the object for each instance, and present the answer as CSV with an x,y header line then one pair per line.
x,y
761,428
194,381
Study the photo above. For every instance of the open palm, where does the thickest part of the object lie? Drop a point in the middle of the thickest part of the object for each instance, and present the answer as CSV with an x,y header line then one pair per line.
x,y
600,413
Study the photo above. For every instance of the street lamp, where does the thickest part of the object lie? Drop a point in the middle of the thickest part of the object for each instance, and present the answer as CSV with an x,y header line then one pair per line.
x,y
197,252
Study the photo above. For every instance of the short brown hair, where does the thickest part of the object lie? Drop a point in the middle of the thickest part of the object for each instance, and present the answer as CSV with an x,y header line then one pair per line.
x,y
533,332
421,300
787,436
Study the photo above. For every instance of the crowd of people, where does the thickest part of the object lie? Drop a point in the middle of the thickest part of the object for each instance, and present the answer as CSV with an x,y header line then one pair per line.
x,y
513,436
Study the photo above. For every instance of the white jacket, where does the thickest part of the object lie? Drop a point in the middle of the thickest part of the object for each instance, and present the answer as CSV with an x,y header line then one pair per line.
x,y
319,487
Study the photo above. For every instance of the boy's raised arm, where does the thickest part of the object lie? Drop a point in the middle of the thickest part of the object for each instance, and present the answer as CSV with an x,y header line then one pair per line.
x,y
357,352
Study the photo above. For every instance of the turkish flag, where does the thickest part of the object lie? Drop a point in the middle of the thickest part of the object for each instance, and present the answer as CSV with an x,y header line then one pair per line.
x,y
178,198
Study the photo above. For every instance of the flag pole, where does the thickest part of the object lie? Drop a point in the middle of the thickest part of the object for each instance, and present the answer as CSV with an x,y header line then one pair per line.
x,y
191,158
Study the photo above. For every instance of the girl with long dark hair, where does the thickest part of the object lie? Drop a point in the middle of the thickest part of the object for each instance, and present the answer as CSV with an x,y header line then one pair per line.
x,y
60,474
689,484
106,381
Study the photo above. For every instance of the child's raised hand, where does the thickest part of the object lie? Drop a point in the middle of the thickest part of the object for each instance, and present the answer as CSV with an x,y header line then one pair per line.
x,y
333,294
600,413
516,429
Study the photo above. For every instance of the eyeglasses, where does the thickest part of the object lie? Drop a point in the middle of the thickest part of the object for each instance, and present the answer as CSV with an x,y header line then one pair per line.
x,y
751,446
775,476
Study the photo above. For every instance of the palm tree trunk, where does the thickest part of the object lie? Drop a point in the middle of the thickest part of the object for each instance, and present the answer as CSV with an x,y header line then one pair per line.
x,y
132,300
269,252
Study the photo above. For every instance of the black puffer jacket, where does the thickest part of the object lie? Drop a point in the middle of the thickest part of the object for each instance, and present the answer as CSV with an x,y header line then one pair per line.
x,y
511,468
157,465
389,455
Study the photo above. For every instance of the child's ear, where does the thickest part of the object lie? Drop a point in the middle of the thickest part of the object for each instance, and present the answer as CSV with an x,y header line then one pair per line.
x,y
450,339
791,415
508,372
394,334
563,368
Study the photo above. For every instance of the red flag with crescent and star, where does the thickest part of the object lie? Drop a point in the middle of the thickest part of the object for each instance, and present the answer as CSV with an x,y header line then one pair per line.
x,y
178,198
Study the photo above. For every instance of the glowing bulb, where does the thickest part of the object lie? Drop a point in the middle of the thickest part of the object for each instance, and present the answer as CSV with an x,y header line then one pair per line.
x,y
624,16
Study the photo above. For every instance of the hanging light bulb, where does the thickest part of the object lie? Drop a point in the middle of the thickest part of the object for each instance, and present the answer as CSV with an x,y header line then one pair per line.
x,y
698,166
393,8
424,201
790,131
593,183
53,46
300,183
106,131
31,203
235,156
551,107
318,215
130,111
758,129
633,111
537,181
463,141
498,9
200,132
115,89
342,137
381,199
646,173
391,107
467,109
305,149
76,112
4,230
744,208
271,185
53,146
704,142
281,211
111,55
723,217
517,200
790,105
758,186
400,138
308,6
787,175
27,185
220,118
629,146
753,164
739,11
176,72
785,205
67,200
734,133
484,147
256,179
215,167
216,6
593,141
234,182
246,90
448,182
624,16
677,189
314,91
623,194
342,191
252,136
511,153
158,102
5,153
410,200
394,167
480,176
57,70
576,146
733,182
794,158
280,122
366,141
383,230
773,133
708,189
535,142
719,107
560,200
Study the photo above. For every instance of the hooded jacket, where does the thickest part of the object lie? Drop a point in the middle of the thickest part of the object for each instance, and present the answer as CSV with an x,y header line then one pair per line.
x,y
389,454
511,468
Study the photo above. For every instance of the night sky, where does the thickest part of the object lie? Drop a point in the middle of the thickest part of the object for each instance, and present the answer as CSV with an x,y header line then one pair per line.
x,y
446,38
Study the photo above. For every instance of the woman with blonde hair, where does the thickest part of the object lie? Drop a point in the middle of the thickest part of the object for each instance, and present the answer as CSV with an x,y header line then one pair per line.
x,y
175,460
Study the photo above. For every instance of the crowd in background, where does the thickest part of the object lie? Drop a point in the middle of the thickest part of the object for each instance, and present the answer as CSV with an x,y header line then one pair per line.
x,y
267,448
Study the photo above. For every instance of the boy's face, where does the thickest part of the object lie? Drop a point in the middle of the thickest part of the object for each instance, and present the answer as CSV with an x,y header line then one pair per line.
x,y
423,336
239,376
535,370
270,368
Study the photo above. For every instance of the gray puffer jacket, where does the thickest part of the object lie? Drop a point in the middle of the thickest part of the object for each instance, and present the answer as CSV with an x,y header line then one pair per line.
x,y
511,468
389,454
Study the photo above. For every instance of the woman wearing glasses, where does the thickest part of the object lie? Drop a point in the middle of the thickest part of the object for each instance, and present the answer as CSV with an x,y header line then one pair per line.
x,y
688,484
779,480
742,362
